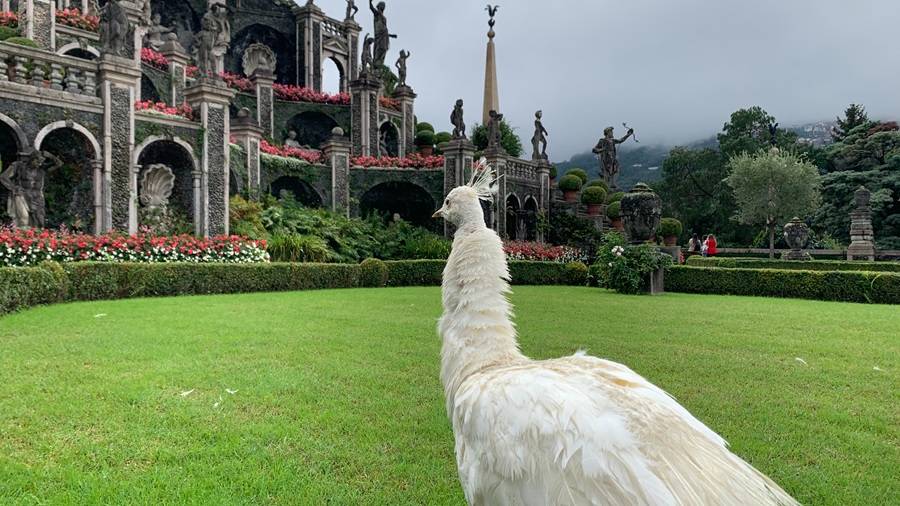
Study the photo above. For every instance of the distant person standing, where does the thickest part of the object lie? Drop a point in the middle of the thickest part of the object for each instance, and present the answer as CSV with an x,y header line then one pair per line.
x,y
704,245
711,246
694,244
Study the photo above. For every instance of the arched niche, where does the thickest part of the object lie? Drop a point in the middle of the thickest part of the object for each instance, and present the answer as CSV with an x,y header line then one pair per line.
x,y
513,208
313,128
529,218
389,139
409,201
281,44
69,189
183,202
299,189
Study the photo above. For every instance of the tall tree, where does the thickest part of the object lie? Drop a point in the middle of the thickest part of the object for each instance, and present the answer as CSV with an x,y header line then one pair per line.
x,y
748,132
854,116
771,187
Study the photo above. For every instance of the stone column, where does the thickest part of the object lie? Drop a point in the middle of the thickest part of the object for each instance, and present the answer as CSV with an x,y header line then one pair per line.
x,y
352,31
247,134
543,174
209,98
309,45
337,154
862,235
178,63
37,21
100,220
407,98
262,81
118,78
364,110
459,157
496,158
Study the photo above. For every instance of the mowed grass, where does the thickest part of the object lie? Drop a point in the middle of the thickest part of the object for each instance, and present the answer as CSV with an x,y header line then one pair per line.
x,y
338,399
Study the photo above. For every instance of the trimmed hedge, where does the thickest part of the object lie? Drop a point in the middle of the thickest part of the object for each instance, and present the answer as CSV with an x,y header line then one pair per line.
x,y
807,265
22,287
847,286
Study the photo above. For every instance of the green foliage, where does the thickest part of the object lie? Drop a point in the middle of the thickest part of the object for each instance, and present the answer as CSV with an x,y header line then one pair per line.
x,y
614,197
424,138
23,287
570,183
614,210
442,137
553,172
748,132
854,116
246,218
7,32
509,140
808,265
389,79
600,183
424,126
548,273
297,248
580,173
627,269
373,273
415,272
670,227
593,195
22,41
871,287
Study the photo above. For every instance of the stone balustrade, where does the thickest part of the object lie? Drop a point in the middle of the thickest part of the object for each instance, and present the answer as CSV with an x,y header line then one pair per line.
x,y
521,170
42,69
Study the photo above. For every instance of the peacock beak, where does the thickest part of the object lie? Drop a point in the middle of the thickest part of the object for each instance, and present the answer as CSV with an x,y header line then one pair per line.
x,y
439,213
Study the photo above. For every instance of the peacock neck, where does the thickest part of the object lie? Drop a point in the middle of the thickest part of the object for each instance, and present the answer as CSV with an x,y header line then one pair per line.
x,y
476,327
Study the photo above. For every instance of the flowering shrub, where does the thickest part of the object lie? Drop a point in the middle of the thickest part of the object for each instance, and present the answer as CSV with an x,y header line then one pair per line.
x,y
390,103
537,252
291,93
413,161
624,268
74,18
191,71
30,247
307,155
238,82
163,109
154,58
9,19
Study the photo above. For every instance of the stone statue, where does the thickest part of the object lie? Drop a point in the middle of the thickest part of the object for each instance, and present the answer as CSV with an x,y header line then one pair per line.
x,y
539,140
223,26
366,64
155,33
352,9
382,144
291,140
382,35
494,130
258,57
606,148
401,67
456,119
25,181
146,13
773,134
115,30
204,46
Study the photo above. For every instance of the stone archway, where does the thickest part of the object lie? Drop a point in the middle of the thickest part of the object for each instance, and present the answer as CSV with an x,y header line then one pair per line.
x,y
313,128
183,206
281,44
409,201
12,143
513,210
76,50
302,191
530,218
389,139
69,190
334,76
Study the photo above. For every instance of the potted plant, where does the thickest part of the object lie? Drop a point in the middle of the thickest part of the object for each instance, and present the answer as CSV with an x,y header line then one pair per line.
x,y
601,183
425,142
614,213
670,229
570,185
593,197
582,175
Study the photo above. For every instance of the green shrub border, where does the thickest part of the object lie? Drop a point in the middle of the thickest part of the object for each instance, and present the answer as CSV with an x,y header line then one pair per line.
x,y
846,286
23,287
807,265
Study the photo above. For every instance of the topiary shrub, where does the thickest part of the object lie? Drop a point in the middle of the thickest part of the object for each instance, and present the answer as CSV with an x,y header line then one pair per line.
x,y
582,175
614,211
601,183
614,197
8,33
593,195
22,41
442,137
425,138
570,183
670,227
373,273
424,126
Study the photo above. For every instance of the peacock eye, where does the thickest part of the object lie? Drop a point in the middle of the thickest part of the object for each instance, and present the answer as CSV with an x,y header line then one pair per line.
x,y
447,202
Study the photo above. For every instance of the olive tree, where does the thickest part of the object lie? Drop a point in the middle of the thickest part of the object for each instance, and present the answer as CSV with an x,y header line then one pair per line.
x,y
771,187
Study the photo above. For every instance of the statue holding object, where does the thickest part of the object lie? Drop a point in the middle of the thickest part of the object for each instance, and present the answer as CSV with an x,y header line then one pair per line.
x,y
382,35
607,151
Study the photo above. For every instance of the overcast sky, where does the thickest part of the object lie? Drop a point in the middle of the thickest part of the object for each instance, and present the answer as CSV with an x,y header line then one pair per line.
x,y
672,69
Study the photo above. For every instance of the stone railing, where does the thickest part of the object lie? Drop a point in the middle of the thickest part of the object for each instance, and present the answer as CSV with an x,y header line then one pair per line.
x,y
36,67
521,170
332,28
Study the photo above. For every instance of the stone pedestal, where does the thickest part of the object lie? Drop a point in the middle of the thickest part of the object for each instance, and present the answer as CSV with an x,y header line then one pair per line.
x,y
862,235
247,134
641,211
118,91
209,98
496,158
459,157
658,282
364,111
352,29
37,21
309,45
407,98
337,154
262,81
178,63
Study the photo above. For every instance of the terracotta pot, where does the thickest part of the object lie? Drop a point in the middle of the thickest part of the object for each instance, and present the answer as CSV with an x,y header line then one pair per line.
x,y
618,224
593,209
571,196
426,150
670,240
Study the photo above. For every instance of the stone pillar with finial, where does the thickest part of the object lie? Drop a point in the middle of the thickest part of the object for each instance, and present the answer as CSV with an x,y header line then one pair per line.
x,y
178,59
246,133
309,45
337,155
364,113
491,93
862,235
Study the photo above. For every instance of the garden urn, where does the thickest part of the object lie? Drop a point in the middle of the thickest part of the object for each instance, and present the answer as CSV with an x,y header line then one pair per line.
x,y
570,195
641,209
594,209
796,234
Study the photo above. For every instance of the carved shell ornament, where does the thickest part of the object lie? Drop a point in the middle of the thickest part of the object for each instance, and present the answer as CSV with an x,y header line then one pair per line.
x,y
157,184
258,57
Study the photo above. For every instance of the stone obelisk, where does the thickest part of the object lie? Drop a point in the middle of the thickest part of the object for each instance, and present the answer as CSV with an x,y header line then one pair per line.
x,y
491,95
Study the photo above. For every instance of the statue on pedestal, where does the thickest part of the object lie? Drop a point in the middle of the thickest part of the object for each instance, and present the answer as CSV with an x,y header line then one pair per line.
x,y
494,133
366,64
382,35
606,149
115,30
291,140
25,181
352,9
204,46
401,67
456,119
155,33
539,140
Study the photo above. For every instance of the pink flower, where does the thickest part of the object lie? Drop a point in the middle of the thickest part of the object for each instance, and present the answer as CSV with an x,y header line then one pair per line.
x,y
291,93
310,156
154,58
412,161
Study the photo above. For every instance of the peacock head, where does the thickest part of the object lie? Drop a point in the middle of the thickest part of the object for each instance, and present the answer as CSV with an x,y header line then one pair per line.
x,y
463,204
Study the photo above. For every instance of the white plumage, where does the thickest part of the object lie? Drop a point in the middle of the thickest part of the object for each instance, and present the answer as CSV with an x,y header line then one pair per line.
x,y
577,430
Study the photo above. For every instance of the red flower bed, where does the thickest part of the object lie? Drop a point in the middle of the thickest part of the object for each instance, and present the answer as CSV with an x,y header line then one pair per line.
x,y
238,82
291,93
413,161
389,103
30,247
154,58
74,18
9,19
535,251
310,156
184,110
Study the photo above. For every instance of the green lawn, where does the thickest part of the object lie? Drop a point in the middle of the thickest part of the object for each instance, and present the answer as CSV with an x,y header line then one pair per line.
x,y
338,399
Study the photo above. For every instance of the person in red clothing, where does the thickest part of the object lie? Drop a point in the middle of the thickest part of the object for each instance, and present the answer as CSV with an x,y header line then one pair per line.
x,y
711,245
